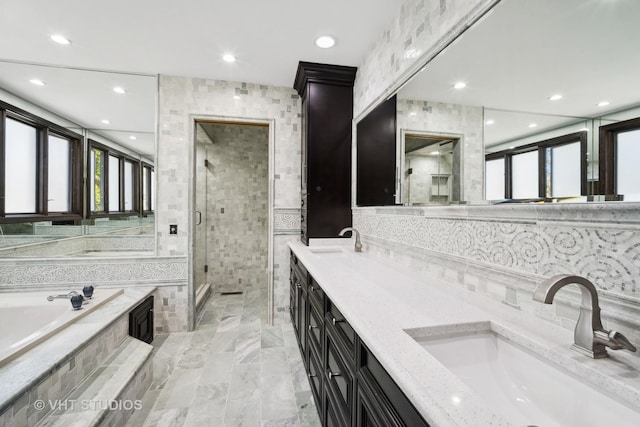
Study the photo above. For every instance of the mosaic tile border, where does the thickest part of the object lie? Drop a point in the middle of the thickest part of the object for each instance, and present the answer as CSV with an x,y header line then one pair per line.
x,y
25,273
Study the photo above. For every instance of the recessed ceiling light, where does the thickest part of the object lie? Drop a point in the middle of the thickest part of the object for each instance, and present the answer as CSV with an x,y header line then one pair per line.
x,y
532,125
434,153
105,121
37,82
325,42
460,85
227,57
555,97
489,122
133,138
119,90
236,96
60,39
413,113
511,148
603,103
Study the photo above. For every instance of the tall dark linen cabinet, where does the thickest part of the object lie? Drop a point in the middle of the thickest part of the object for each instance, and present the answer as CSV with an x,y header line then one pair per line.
x,y
327,113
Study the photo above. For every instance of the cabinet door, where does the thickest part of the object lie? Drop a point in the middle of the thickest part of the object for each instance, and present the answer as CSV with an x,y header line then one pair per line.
x,y
393,406
376,156
367,414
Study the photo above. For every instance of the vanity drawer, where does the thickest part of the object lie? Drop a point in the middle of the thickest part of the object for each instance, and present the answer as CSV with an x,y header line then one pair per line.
x,y
316,295
299,270
344,333
338,379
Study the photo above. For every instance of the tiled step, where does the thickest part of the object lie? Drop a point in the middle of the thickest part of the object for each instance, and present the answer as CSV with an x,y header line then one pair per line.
x,y
110,394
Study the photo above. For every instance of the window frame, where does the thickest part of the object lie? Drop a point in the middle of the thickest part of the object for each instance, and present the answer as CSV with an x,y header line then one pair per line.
x,y
122,158
540,147
146,168
609,155
44,128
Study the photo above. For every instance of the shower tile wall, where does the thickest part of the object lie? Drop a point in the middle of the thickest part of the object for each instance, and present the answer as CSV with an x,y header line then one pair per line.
x,y
462,120
419,31
237,207
180,99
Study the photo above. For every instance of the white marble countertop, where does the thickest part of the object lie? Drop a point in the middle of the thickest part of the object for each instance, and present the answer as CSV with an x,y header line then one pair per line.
x,y
381,300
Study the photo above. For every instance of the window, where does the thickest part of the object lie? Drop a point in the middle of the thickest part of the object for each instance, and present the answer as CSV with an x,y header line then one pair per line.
x,y
114,181
97,180
40,169
552,168
147,188
494,179
619,159
59,174
21,160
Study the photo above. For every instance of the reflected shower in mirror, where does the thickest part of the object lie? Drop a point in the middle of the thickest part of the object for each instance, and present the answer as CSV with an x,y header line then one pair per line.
x,y
555,75
78,174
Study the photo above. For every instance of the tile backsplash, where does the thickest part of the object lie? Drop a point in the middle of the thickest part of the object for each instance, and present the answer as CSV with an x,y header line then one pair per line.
x,y
505,251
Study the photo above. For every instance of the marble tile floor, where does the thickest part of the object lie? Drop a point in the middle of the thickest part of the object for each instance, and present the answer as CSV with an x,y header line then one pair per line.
x,y
233,370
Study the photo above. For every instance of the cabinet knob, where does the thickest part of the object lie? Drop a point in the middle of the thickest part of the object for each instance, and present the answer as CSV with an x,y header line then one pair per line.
x,y
334,320
298,285
311,327
334,374
312,375
312,288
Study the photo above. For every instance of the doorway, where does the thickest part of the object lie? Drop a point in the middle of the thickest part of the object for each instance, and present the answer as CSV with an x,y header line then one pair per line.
x,y
430,168
232,221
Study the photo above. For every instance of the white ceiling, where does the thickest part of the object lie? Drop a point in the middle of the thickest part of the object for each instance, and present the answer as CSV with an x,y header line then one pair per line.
x,y
185,38
524,51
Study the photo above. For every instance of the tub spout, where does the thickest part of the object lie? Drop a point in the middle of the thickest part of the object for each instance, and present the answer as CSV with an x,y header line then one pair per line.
x,y
62,296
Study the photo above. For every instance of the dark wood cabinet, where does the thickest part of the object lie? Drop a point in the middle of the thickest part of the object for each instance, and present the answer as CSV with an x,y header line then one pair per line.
x,y
141,321
376,169
299,280
349,385
327,113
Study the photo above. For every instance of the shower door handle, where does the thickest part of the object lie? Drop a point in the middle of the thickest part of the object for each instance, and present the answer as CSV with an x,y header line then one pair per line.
x,y
199,217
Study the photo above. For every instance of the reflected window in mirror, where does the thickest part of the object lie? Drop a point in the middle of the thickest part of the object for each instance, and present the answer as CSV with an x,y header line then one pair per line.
x,y
113,183
147,188
40,169
549,169
619,159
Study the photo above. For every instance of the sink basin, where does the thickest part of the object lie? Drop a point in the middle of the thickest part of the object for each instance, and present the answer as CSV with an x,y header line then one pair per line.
x,y
519,384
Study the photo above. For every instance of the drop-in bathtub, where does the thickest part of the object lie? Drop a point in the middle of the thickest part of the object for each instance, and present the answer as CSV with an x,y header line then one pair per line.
x,y
27,318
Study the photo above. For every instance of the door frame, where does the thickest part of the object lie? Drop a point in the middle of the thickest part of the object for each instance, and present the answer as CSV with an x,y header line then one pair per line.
x,y
270,123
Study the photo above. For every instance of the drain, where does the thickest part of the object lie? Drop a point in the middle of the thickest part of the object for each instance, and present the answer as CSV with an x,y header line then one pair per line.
x,y
231,293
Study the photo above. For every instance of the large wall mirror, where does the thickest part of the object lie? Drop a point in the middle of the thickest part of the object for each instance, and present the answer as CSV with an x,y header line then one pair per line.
x,y
77,152
519,106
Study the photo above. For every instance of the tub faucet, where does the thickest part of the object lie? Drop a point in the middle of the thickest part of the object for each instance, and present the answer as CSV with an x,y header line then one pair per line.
x,y
62,296
358,247
590,337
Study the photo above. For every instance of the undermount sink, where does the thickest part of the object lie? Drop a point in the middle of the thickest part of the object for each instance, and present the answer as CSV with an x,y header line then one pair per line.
x,y
514,381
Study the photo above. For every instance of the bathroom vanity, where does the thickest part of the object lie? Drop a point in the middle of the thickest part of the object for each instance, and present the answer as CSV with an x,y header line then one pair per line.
x,y
384,345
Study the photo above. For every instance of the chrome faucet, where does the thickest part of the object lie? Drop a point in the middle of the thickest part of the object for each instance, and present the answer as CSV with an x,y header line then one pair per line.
x,y
358,247
590,337
62,296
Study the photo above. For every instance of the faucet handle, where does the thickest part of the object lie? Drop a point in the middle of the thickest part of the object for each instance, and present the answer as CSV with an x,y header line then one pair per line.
x,y
621,341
